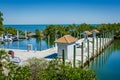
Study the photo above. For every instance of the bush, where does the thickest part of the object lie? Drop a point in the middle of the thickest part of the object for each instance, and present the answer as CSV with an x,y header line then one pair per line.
x,y
40,69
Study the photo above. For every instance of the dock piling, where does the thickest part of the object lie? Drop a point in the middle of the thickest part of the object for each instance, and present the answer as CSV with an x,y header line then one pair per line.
x,y
63,57
82,63
74,56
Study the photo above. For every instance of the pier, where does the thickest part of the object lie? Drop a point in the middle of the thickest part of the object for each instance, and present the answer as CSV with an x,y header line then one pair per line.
x,y
89,49
24,54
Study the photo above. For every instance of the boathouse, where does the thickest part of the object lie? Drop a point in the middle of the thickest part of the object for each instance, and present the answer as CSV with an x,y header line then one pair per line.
x,y
66,44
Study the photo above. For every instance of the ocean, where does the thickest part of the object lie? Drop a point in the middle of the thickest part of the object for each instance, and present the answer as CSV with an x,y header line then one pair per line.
x,y
31,28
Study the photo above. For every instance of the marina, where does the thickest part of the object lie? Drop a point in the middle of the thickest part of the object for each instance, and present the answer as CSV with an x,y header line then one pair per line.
x,y
82,50
59,39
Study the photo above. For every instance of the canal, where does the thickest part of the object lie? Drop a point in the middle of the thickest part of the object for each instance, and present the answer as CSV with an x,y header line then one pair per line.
x,y
107,65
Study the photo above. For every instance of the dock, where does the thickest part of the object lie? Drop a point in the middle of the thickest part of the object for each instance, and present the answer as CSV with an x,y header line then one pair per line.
x,y
24,54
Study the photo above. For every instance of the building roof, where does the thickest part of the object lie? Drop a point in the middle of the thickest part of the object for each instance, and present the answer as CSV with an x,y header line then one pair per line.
x,y
95,30
66,39
88,32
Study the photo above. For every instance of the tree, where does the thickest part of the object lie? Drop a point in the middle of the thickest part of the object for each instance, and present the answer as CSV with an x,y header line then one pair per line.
x,y
40,69
1,24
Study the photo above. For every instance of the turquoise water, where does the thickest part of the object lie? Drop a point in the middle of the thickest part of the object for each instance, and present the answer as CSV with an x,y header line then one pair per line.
x,y
107,65
31,28
22,44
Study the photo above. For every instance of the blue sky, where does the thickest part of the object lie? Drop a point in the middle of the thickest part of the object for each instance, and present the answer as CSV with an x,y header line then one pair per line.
x,y
60,11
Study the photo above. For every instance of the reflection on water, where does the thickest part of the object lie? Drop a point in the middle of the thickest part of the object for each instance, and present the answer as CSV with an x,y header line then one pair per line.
x,y
37,43
107,64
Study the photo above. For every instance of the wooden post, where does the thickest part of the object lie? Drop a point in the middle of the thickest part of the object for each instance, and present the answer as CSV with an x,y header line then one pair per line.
x,y
93,48
112,35
88,50
48,41
63,57
82,56
109,38
74,56
100,44
103,42
97,45
40,43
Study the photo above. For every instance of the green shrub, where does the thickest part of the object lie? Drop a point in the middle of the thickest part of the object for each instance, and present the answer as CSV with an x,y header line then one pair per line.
x,y
40,69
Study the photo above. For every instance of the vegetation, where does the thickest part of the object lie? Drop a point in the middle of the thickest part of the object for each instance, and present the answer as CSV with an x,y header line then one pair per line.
x,y
40,69
38,33
13,31
75,30
1,24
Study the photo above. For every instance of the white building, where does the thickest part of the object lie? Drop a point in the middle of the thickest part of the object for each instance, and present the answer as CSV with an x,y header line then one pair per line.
x,y
66,43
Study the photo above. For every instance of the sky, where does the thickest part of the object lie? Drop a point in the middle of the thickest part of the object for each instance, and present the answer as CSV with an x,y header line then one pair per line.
x,y
60,11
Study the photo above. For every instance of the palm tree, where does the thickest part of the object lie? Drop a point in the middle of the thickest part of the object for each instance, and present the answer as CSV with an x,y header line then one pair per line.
x,y
1,24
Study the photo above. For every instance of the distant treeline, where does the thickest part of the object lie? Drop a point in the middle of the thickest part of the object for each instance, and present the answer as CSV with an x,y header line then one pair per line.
x,y
75,30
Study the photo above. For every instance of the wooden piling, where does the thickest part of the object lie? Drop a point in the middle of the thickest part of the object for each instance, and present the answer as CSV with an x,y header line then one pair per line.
x,y
40,43
93,48
103,42
63,57
97,46
82,63
100,44
48,41
74,56
88,50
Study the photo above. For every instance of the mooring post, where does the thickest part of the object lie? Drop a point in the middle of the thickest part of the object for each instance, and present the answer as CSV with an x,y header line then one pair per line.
x,y
97,45
82,56
103,42
63,57
40,43
48,41
109,38
112,35
74,56
100,44
88,51
93,48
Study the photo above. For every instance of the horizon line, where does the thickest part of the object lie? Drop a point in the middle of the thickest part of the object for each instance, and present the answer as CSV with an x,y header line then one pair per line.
x,y
54,23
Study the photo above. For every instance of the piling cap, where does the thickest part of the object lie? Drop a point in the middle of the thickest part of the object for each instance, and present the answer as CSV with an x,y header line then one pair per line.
x,y
66,39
